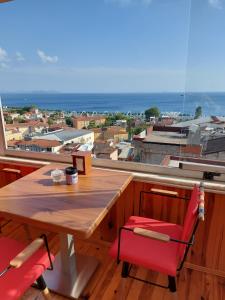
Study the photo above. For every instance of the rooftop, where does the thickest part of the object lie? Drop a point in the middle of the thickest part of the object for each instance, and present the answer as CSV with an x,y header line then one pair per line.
x,y
64,135
201,121
25,125
111,129
166,138
40,143
89,118
214,145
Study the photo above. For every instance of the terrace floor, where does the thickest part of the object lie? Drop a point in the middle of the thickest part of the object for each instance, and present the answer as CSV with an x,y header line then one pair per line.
x,y
107,283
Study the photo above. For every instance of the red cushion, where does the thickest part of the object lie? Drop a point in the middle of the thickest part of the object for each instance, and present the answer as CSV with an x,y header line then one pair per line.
x,y
16,281
151,254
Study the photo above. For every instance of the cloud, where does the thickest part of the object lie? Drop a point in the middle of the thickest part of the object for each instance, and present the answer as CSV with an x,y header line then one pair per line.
x,y
216,4
3,65
46,58
3,55
19,56
4,59
130,2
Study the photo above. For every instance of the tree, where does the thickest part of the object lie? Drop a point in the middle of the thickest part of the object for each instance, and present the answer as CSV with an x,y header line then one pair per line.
x,y
50,121
120,116
138,130
198,112
152,112
92,124
8,120
21,120
111,120
69,121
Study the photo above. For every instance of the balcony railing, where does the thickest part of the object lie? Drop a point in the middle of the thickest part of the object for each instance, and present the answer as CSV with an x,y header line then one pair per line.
x,y
205,261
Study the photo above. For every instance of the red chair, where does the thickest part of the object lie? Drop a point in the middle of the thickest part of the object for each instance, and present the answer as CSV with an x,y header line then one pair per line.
x,y
158,245
21,266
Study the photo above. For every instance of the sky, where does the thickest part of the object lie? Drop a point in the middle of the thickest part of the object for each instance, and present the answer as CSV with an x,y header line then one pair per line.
x,y
112,45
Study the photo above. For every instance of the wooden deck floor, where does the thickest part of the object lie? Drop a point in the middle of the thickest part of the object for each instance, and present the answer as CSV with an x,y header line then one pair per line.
x,y
107,283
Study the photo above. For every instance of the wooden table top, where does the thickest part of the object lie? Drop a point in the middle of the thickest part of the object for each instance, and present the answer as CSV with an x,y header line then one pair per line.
x,y
74,209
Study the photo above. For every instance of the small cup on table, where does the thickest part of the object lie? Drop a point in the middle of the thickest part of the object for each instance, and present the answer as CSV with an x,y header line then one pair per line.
x,y
71,175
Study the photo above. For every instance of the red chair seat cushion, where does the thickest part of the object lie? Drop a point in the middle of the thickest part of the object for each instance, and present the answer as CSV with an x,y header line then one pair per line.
x,y
16,281
151,254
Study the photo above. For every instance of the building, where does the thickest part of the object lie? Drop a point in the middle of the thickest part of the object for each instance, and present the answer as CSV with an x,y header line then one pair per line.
x,y
39,145
214,147
20,130
80,122
73,147
67,136
121,123
125,151
164,141
126,154
210,133
203,122
115,133
105,150
14,134
12,115
33,114
26,129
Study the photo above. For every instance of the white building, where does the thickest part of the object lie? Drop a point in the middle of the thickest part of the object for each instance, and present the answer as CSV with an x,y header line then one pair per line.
x,y
66,136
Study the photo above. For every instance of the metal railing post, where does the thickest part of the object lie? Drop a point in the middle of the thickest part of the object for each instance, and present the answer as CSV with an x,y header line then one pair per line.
x,y
3,144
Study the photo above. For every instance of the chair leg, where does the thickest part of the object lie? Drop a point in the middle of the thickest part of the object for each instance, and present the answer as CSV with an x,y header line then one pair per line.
x,y
125,269
172,284
43,287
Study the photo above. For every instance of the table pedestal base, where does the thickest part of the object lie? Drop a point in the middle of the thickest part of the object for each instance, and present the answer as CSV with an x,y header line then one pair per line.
x,y
71,283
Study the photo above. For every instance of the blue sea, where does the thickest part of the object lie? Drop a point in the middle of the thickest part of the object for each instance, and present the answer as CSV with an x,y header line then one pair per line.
x,y
212,103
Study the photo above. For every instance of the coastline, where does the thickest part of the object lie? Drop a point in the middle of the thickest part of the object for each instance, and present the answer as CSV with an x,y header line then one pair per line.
x,y
127,103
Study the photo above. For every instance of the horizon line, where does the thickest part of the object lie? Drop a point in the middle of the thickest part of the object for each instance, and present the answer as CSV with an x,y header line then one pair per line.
x,y
73,92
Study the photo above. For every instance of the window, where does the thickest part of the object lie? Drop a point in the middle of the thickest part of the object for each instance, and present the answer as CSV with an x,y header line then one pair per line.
x,y
140,82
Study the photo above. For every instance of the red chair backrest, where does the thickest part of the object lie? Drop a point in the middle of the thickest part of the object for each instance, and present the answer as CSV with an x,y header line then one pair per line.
x,y
190,219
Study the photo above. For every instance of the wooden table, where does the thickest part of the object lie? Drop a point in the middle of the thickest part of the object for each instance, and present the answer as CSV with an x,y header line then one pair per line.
x,y
74,210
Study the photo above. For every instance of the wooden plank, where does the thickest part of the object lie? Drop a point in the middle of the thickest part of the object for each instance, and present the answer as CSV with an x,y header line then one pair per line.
x,y
118,215
10,170
164,192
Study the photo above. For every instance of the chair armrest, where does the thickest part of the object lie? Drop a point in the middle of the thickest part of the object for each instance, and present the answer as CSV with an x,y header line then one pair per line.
x,y
26,253
152,234
158,236
164,192
9,170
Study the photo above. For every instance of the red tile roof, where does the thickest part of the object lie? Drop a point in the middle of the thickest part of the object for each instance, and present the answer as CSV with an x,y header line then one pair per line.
x,y
89,118
40,143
